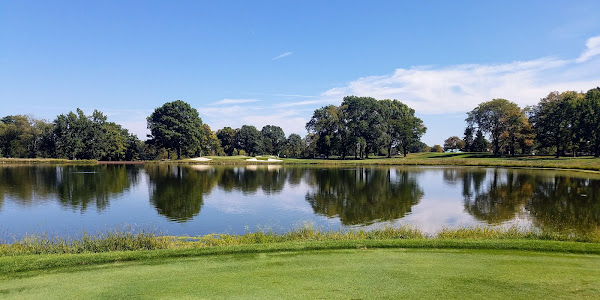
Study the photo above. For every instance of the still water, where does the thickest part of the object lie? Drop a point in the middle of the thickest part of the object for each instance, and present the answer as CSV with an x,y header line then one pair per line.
x,y
202,199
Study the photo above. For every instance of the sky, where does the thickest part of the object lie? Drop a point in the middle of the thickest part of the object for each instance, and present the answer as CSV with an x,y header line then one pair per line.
x,y
275,62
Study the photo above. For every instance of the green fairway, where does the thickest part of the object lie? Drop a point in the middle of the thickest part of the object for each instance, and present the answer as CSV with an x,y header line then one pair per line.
x,y
325,274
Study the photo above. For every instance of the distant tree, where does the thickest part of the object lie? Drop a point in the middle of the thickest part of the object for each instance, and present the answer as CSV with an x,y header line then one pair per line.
x,y
418,147
468,139
499,118
227,138
590,119
325,123
176,125
249,139
555,119
398,121
362,121
437,148
480,144
294,145
273,139
210,145
453,142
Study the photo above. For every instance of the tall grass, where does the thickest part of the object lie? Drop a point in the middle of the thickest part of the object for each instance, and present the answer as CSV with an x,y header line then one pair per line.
x,y
118,240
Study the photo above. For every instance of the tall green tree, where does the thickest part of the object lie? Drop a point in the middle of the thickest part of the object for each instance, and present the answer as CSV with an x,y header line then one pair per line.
x,y
176,125
590,119
496,117
273,139
249,139
294,145
227,138
325,123
363,120
453,142
554,120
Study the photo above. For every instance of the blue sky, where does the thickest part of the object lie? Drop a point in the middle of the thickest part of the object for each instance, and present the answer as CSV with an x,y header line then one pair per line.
x,y
275,62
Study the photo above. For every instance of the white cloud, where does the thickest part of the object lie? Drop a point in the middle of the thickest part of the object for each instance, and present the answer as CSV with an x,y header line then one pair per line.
x,y
302,103
235,101
593,49
282,55
460,88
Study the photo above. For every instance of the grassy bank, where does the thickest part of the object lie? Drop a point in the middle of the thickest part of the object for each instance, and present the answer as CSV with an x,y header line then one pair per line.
x,y
431,159
423,159
55,161
127,240
367,269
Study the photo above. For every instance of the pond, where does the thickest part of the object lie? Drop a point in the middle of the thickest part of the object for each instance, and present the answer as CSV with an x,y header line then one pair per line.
x,y
202,199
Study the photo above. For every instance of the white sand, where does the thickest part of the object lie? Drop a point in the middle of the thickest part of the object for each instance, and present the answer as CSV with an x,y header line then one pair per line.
x,y
268,160
200,159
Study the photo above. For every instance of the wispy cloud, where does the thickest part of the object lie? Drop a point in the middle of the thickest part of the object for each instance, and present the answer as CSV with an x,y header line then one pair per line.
x,y
459,88
593,49
235,101
282,55
302,103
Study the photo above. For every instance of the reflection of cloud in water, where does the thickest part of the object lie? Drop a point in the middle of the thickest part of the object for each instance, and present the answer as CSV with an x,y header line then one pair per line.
x,y
432,215
290,199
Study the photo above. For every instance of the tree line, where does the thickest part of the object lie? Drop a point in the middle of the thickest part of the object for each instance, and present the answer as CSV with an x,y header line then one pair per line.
x,y
566,123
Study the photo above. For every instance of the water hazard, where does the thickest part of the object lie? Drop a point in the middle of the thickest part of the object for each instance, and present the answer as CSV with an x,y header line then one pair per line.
x,y
202,199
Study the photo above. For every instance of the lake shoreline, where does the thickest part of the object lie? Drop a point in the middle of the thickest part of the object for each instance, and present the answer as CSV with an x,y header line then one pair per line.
x,y
586,163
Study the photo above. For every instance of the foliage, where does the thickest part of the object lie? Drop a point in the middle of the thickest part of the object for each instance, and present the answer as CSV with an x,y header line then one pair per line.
x,y
273,139
176,125
227,138
503,120
249,139
453,142
363,125
437,148
294,146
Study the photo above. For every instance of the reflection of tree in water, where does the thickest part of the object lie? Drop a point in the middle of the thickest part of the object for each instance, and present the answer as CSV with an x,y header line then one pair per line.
x,y
363,196
177,191
270,179
74,186
27,184
78,186
566,204
498,199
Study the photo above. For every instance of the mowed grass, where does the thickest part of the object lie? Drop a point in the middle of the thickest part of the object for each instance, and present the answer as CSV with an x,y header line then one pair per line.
x,y
432,159
360,273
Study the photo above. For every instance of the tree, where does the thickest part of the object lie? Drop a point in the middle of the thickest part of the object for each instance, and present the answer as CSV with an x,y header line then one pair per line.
x,y
468,139
453,142
249,139
176,125
590,119
210,142
480,144
398,121
437,148
294,145
273,139
227,138
554,120
362,119
496,117
325,123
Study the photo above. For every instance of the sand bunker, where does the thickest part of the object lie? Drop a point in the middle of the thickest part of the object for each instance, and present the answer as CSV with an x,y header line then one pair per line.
x,y
260,160
200,159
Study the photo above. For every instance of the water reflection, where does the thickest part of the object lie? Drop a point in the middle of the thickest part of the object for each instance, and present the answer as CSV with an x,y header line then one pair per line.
x,y
555,201
76,187
499,198
177,191
363,195
566,204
